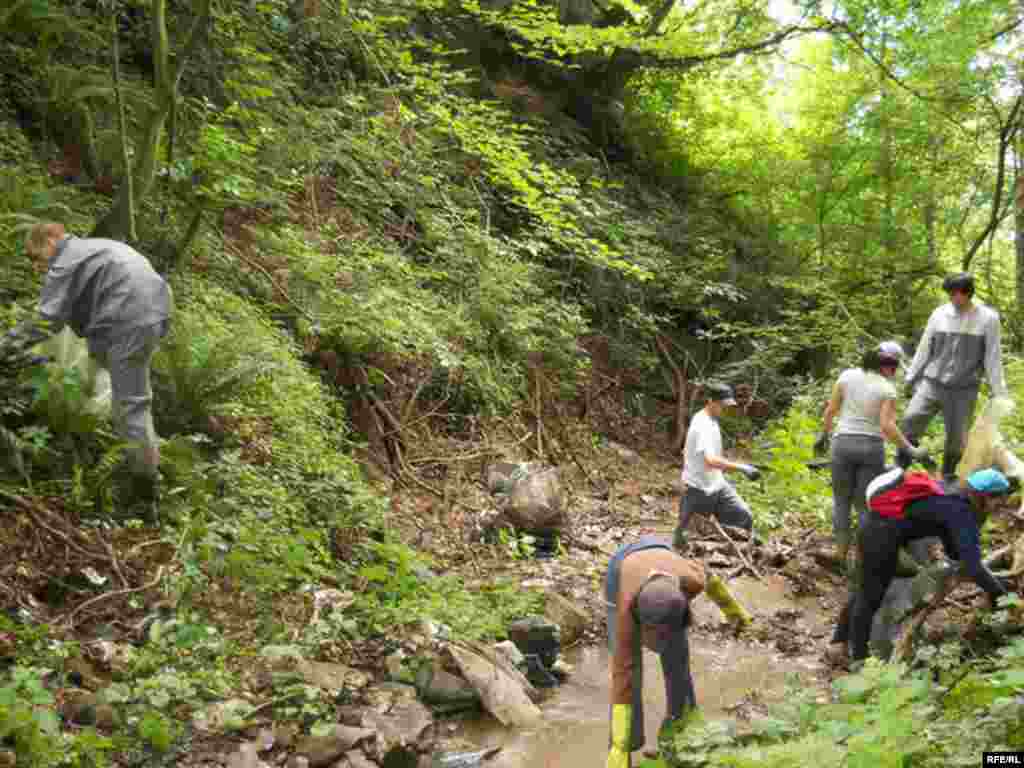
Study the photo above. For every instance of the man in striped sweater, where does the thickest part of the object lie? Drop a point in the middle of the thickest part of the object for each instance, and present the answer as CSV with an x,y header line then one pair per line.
x,y
960,342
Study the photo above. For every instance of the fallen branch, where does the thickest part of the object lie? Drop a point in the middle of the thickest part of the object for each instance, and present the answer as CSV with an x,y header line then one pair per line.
x,y
736,548
904,645
34,510
115,563
69,619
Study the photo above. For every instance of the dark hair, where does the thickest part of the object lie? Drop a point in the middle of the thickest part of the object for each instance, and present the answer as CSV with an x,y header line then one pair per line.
x,y
963,281
871,361
874,361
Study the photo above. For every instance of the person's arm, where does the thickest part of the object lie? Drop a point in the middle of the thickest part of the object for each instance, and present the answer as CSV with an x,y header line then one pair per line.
x,y
720,462
891,429
835,402
621,737
55,301
923,353
994,357
622,659
714,461
968,541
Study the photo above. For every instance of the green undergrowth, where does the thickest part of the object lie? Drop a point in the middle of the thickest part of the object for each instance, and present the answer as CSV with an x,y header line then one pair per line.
x,y
944,710
792,494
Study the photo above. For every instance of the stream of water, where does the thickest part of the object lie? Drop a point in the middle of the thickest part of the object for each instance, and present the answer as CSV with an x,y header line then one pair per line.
x,y
574,731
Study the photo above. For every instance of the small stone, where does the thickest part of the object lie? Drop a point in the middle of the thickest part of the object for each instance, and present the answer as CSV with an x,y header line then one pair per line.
x,y
357,759
284,735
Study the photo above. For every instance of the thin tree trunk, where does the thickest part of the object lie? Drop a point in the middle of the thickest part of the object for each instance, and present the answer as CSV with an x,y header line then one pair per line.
x,y
1019,248
679,382
126,164
166,76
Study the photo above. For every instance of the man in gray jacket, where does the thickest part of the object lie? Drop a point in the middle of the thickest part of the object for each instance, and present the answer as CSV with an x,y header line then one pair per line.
x,y
110,295
960,341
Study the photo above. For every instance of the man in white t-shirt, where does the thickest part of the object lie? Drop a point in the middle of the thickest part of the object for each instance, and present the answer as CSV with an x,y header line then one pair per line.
x,y
705,489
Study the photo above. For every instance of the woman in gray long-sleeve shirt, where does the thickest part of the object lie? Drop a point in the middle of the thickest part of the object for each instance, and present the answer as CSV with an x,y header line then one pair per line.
x,y
109,293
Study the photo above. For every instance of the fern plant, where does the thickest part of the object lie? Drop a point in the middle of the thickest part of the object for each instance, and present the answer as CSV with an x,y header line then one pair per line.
x,y
194,374
16,357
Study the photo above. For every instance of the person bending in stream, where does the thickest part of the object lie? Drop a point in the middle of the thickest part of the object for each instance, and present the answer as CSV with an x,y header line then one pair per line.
x,y
648,589
955,518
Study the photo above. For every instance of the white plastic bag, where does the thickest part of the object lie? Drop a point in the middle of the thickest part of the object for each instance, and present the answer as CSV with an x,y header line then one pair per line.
x,y
986,446
67,350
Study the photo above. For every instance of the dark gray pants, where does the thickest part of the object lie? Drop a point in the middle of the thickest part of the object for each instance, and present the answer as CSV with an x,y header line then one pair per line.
x,y
725,504
128,358
957,406
856,461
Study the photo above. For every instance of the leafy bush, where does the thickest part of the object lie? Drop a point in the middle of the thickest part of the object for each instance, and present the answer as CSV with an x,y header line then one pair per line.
x,y
28,716
199,367
403,591
793,493
883,715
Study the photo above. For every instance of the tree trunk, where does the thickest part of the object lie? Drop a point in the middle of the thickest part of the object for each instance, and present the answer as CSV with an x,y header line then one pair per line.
x,y
116,223
1018,221
122,124
679,387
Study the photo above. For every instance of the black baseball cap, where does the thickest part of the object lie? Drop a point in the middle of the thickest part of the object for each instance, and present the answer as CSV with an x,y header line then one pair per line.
x,y
719,391
660,601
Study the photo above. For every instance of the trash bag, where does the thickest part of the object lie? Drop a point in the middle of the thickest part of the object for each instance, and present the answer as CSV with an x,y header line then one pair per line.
x,y
70,362
986,446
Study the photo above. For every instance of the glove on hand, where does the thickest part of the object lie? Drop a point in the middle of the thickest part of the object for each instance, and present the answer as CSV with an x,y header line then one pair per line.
x,y
751,472
622,724
821,443
921,454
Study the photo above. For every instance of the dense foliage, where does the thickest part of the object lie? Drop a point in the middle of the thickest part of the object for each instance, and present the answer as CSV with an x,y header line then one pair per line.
x,y
386,220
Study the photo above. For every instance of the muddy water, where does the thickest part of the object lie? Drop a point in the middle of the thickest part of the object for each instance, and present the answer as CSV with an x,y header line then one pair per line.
x,y
574,731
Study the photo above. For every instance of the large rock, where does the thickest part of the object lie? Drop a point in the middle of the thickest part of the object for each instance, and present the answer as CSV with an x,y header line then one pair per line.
x,y
439,687
532,496
536,503
406,724
323,750
330,677
504,691
571,620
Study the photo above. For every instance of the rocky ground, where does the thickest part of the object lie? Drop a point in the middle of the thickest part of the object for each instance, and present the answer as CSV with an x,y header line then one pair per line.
x,y
388,713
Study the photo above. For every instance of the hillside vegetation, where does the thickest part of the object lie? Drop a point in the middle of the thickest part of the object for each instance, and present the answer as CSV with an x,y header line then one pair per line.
x,y
406,239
